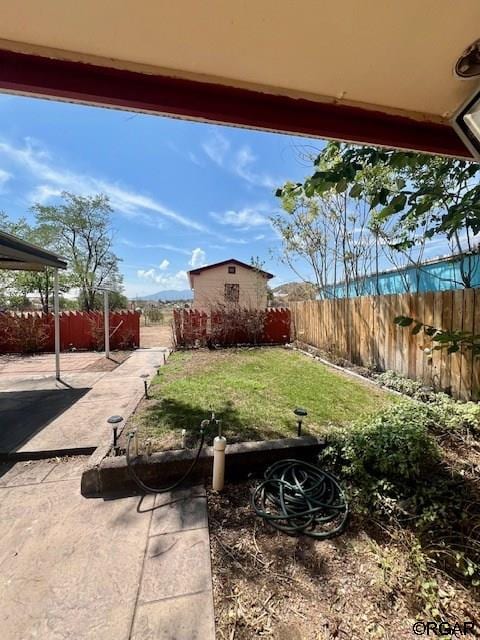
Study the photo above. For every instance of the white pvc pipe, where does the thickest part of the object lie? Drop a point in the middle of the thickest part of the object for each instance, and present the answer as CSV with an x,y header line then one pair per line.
x,y
106,322
56,311
219,444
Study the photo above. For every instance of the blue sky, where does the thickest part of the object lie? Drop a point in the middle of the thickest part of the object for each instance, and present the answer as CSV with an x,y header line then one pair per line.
x,y
184,193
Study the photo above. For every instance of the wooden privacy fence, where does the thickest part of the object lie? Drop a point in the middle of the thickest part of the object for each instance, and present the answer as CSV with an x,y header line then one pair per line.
x,y
33,332
231,327
362,330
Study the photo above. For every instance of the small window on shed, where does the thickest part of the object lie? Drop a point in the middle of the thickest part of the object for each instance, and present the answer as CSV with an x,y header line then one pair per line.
x,y
231,269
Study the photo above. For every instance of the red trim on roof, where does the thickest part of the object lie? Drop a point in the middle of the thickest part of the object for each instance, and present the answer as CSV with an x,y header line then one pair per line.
x,y
239,263
219,103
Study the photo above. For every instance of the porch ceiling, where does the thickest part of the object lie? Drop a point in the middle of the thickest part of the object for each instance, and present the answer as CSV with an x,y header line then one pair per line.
x,y
391,57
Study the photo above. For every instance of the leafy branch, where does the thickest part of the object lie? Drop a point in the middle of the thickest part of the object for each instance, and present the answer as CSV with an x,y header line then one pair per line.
x,y
452,341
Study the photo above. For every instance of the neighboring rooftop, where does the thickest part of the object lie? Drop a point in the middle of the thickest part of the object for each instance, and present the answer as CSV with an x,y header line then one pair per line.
x,y
438,274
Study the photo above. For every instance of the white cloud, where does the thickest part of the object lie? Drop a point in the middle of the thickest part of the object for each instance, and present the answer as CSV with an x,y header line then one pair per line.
x,y
166,247
133,205
53,181
243,167
4,178
176,281
198,258
142,273
261,236
43,193
246,218
216,148
193,158
163,266
235,241
241,162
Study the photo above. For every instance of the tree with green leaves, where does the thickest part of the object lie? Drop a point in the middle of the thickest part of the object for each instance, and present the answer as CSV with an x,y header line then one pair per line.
x,y
82,226
424,196
329,232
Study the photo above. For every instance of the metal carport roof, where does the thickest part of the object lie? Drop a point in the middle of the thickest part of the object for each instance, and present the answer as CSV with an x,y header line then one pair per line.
x,y
19,255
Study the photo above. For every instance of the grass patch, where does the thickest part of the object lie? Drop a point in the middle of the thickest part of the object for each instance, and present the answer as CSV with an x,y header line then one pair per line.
x,y
253,392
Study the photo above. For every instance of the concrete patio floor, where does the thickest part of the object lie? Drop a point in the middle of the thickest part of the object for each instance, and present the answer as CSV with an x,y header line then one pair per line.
x,y
40,416
126,569
90,569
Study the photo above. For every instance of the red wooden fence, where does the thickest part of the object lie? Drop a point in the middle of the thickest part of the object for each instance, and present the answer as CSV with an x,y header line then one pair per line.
x,y
34,331
226,328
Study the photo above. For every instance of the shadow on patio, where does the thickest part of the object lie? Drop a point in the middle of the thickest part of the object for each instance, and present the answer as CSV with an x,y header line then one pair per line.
x,y
23,414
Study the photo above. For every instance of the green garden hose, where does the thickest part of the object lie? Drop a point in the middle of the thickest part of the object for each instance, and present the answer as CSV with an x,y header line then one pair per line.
x,y
148,489
299,498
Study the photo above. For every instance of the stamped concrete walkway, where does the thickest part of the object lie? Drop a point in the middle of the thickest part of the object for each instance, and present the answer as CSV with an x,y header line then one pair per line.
x,y
93,569
76,414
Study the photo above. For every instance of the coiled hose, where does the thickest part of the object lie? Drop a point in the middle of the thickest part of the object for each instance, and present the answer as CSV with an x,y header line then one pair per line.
x,y
297,497
176,484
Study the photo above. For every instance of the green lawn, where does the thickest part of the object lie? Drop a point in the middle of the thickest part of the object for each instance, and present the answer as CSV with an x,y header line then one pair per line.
x,y
253,392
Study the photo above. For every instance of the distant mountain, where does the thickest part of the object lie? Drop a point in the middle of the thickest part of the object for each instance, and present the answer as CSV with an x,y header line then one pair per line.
x,y
185,294
294,291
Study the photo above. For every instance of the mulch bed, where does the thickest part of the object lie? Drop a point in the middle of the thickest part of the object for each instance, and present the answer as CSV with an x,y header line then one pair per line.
x,y
270,585
108,364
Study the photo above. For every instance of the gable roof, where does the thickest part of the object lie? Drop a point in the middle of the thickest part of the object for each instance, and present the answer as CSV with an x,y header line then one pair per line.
x,y
196,272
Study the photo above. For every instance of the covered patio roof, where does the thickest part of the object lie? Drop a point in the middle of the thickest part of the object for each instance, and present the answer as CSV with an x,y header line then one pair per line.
x,y
373,72
20,255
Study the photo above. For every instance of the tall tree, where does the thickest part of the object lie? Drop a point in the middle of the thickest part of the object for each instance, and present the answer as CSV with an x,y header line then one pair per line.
x,y
330,231
82,225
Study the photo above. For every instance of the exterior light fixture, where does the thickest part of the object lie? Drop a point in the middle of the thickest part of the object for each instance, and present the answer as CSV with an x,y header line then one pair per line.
x,y
300,413
466,121
115,422
144,377
468,64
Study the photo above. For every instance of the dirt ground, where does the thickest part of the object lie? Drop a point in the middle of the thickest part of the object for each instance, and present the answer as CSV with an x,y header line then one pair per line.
x,y
104,364
270,585
44,363
157,335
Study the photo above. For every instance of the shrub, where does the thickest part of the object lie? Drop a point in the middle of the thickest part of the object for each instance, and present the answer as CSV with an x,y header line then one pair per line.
x,y
384,456
27,333
399,383
394,471
395,443
445,413
449,415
